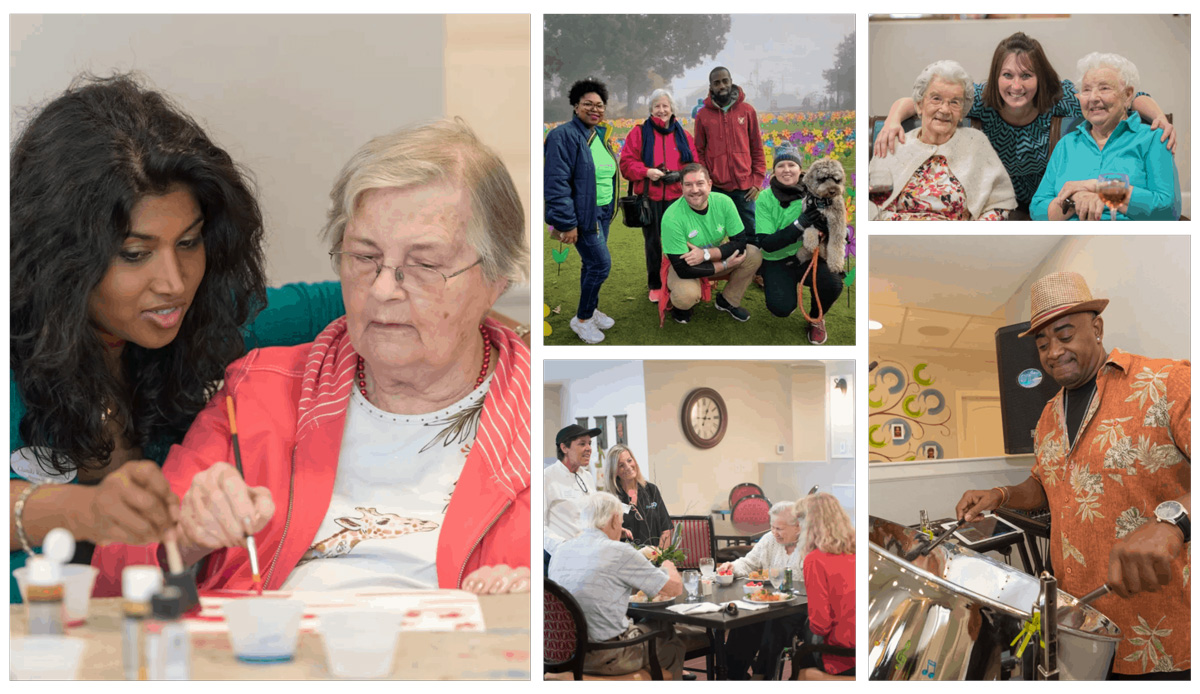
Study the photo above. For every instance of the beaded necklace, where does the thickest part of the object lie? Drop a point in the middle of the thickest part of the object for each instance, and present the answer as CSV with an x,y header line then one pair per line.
x,y
361,378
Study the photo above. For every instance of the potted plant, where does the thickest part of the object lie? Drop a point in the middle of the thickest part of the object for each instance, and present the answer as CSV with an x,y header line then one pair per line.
x,y
673,553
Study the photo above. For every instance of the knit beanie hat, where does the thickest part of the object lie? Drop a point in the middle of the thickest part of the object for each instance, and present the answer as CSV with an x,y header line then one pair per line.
x,y
787,152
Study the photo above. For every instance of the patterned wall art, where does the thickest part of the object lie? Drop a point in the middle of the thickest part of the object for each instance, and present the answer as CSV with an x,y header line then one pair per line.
x,y
907,415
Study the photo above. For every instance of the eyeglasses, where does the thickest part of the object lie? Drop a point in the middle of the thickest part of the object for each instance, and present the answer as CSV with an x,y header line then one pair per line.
x,y
937,100
579,481
364,269
636,513
592,105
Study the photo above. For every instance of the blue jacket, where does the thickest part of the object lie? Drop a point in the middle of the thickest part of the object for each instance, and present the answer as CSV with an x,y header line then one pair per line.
x,y
570,178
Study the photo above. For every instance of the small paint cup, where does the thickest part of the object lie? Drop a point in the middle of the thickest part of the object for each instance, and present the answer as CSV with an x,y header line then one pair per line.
x,y
264,630
78,581
45,657
359,644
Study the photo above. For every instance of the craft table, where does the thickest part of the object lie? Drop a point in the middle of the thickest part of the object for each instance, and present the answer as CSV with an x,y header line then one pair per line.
x,y
500,653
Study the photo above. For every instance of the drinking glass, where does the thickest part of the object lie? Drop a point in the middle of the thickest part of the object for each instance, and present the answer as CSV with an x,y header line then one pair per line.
x,y
1112,189
879,186
708,567
691,583
776,577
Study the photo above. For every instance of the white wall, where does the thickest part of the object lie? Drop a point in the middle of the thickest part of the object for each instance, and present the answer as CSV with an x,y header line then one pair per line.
x,y
290,97
1160,45
898,491
1147,280
602,388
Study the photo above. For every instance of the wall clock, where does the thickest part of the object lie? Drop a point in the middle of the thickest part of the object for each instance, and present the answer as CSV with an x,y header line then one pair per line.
x,y
704,418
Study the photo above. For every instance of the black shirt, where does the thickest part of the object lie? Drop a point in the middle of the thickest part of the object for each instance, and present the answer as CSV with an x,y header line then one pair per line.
x,y
1077,402
648,519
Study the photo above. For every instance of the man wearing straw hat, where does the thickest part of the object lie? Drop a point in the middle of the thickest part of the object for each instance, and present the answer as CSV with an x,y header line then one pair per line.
x,y
1113,465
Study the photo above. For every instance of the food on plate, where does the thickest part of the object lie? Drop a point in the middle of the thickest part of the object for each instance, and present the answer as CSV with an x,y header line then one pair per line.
x,y
750,585
758,575
728,571
640,596
766,596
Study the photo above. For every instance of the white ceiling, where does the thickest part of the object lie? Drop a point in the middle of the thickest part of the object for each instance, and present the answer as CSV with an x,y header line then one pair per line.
x,y
948,291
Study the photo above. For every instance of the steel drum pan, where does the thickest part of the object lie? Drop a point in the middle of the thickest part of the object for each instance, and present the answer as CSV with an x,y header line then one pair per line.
x,y
949,615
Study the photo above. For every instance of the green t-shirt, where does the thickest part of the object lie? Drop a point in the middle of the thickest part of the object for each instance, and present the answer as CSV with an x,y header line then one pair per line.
x,y
294,314
606,168
681,225
770,217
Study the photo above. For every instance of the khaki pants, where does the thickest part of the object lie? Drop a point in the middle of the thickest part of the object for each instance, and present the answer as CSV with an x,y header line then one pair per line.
x,y
686,293
622,661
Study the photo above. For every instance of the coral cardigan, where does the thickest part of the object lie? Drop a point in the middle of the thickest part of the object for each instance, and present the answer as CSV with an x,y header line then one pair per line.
x,y
291,409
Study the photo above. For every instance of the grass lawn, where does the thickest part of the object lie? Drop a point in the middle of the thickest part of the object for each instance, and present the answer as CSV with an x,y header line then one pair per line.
x,y
623,297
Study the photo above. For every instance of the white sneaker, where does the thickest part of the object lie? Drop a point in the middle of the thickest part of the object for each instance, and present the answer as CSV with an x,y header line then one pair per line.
x,y
587,331
602,321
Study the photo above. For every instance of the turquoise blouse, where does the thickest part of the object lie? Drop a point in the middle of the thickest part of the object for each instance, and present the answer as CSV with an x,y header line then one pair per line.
x,y
1132,149
295,314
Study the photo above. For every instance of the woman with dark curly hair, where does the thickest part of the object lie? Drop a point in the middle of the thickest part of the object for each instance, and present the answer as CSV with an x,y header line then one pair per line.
x,y
580,176
136,266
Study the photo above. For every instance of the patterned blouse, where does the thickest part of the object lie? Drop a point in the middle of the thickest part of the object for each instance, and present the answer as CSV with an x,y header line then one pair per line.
x,y
934,194
1133,451
1024,149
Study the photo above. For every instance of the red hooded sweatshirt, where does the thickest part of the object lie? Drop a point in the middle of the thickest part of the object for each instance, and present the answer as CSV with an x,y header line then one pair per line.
x,y
730,144
291,411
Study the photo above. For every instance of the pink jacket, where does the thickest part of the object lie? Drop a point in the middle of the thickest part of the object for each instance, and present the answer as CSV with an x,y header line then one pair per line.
x,y
291,409
666,151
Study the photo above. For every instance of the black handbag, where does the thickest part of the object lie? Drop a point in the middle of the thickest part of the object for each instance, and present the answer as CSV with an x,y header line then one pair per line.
x,y
636,208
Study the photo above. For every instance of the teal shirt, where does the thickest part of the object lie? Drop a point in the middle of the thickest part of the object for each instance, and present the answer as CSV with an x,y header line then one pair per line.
x,y
681,225
1132,149
770,217
295,314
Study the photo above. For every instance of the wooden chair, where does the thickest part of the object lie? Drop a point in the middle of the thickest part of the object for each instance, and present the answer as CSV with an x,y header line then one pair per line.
x,y
754,509
566,643
696,540
743,489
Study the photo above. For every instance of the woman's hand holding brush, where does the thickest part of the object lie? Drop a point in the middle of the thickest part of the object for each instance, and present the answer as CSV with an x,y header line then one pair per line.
x,y
220,510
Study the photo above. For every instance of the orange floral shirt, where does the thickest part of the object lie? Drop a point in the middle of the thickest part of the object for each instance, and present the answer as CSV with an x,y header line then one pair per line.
x,y
1133,451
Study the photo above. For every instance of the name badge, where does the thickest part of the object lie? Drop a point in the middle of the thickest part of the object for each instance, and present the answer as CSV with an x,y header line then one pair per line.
x,y
653,504
693,233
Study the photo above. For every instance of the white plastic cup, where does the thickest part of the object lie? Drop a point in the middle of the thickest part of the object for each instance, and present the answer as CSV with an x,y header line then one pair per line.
x,y
359,644
45,657
78,581
264,630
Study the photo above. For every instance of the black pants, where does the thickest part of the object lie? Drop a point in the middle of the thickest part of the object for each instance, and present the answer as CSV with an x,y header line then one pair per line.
x,y
780,278
744,207
652,235
758,646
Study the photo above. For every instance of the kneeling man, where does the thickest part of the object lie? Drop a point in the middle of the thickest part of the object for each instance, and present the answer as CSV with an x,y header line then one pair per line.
x,y
697,232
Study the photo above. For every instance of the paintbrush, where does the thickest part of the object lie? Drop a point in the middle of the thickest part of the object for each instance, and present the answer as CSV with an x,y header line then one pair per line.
x,y
189,595
237,457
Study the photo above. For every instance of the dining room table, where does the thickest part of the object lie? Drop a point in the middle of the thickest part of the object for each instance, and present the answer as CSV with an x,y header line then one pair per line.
x,y
718,624
730,531
500,652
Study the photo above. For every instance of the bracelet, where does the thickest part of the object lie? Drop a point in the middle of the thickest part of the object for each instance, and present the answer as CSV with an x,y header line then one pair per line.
x,y
1004,496
19,512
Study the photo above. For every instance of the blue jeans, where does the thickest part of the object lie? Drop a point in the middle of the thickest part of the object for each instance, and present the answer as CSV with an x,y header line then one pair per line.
x,y
593,252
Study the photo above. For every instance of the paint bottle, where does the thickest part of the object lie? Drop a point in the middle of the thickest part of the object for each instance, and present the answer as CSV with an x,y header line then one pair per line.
x,y
138,584
168,652
44,591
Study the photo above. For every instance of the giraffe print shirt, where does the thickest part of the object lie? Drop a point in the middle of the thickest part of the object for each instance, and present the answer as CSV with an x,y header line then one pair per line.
x,y
396,474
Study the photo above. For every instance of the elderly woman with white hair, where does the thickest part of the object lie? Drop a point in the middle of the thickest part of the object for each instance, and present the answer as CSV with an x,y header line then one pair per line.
x,y
758,646
651,160
601,572
942,172
1112,142
393,451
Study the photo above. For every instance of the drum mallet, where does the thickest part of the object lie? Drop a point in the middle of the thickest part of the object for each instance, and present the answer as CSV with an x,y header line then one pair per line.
x,y
927,548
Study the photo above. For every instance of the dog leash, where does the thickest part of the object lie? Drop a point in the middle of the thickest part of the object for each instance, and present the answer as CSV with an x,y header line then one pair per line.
x,y
812,270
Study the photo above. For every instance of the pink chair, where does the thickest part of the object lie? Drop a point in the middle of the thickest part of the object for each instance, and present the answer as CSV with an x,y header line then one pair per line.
x,y
696,539
752,512
743,490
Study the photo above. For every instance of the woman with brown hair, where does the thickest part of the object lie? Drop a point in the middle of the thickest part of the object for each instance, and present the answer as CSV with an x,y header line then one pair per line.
x,y
1015,106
